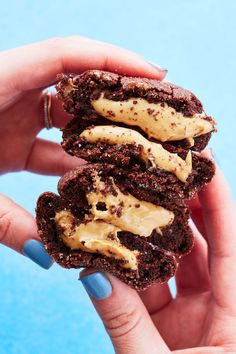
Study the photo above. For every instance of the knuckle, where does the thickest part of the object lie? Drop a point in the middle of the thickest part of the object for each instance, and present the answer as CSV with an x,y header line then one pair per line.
x,y
5,225
120,324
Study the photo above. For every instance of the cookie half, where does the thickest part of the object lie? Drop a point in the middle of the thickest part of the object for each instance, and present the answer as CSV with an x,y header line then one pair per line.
x,y
160,111
96,221
138,122
184,171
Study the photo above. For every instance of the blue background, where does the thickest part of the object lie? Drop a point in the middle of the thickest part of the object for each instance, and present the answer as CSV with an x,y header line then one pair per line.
x,y
48,311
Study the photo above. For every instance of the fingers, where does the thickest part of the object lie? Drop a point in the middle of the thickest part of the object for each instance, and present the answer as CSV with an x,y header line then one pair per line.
x,y
48,158
59,117
17,225
197,215
124,315
156,297
219,214
202,350
36,65
19,232
193,274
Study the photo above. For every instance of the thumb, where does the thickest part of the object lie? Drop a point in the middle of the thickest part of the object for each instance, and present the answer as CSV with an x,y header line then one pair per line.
x,y
123,314
18,231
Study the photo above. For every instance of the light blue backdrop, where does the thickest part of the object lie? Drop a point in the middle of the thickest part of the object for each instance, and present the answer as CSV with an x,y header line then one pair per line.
x,y
48,311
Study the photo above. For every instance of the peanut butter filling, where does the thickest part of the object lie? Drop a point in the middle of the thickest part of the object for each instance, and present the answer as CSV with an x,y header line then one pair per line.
x,y
120,212
153,152
95,237
127,212
157,120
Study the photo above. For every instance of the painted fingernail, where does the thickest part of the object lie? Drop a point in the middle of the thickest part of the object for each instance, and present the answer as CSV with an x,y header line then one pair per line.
x,y
35,250
97,285
159,68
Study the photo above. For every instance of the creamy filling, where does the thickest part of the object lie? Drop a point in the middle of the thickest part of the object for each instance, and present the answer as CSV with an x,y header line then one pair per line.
x,y
127,212
153,152
95,237
157,120
112,212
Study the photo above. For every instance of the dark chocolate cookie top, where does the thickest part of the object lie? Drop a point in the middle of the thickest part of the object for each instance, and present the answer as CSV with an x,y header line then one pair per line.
x,y
76,91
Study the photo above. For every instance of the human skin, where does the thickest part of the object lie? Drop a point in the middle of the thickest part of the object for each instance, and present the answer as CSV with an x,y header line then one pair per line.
x,y
202,317
24,73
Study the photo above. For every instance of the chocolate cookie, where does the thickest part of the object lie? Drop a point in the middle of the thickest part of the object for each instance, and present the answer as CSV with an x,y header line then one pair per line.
x,y
184,171
97,222
159,110
132,121
125,212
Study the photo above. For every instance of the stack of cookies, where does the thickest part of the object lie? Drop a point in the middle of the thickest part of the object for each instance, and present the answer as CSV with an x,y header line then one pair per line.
x,y
124,211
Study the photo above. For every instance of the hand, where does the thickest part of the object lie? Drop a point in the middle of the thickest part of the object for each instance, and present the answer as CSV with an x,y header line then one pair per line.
x,y
25,72
202,317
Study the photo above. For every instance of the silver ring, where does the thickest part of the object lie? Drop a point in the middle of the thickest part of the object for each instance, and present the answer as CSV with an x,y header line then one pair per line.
x,y
47,102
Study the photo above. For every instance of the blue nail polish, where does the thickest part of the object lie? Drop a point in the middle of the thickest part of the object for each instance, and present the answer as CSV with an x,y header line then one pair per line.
x,y
35,250
97,285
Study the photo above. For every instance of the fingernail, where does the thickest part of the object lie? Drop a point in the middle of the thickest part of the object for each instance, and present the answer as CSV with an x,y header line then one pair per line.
x,y
210,153
35,250
157,67
213,155
97,285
